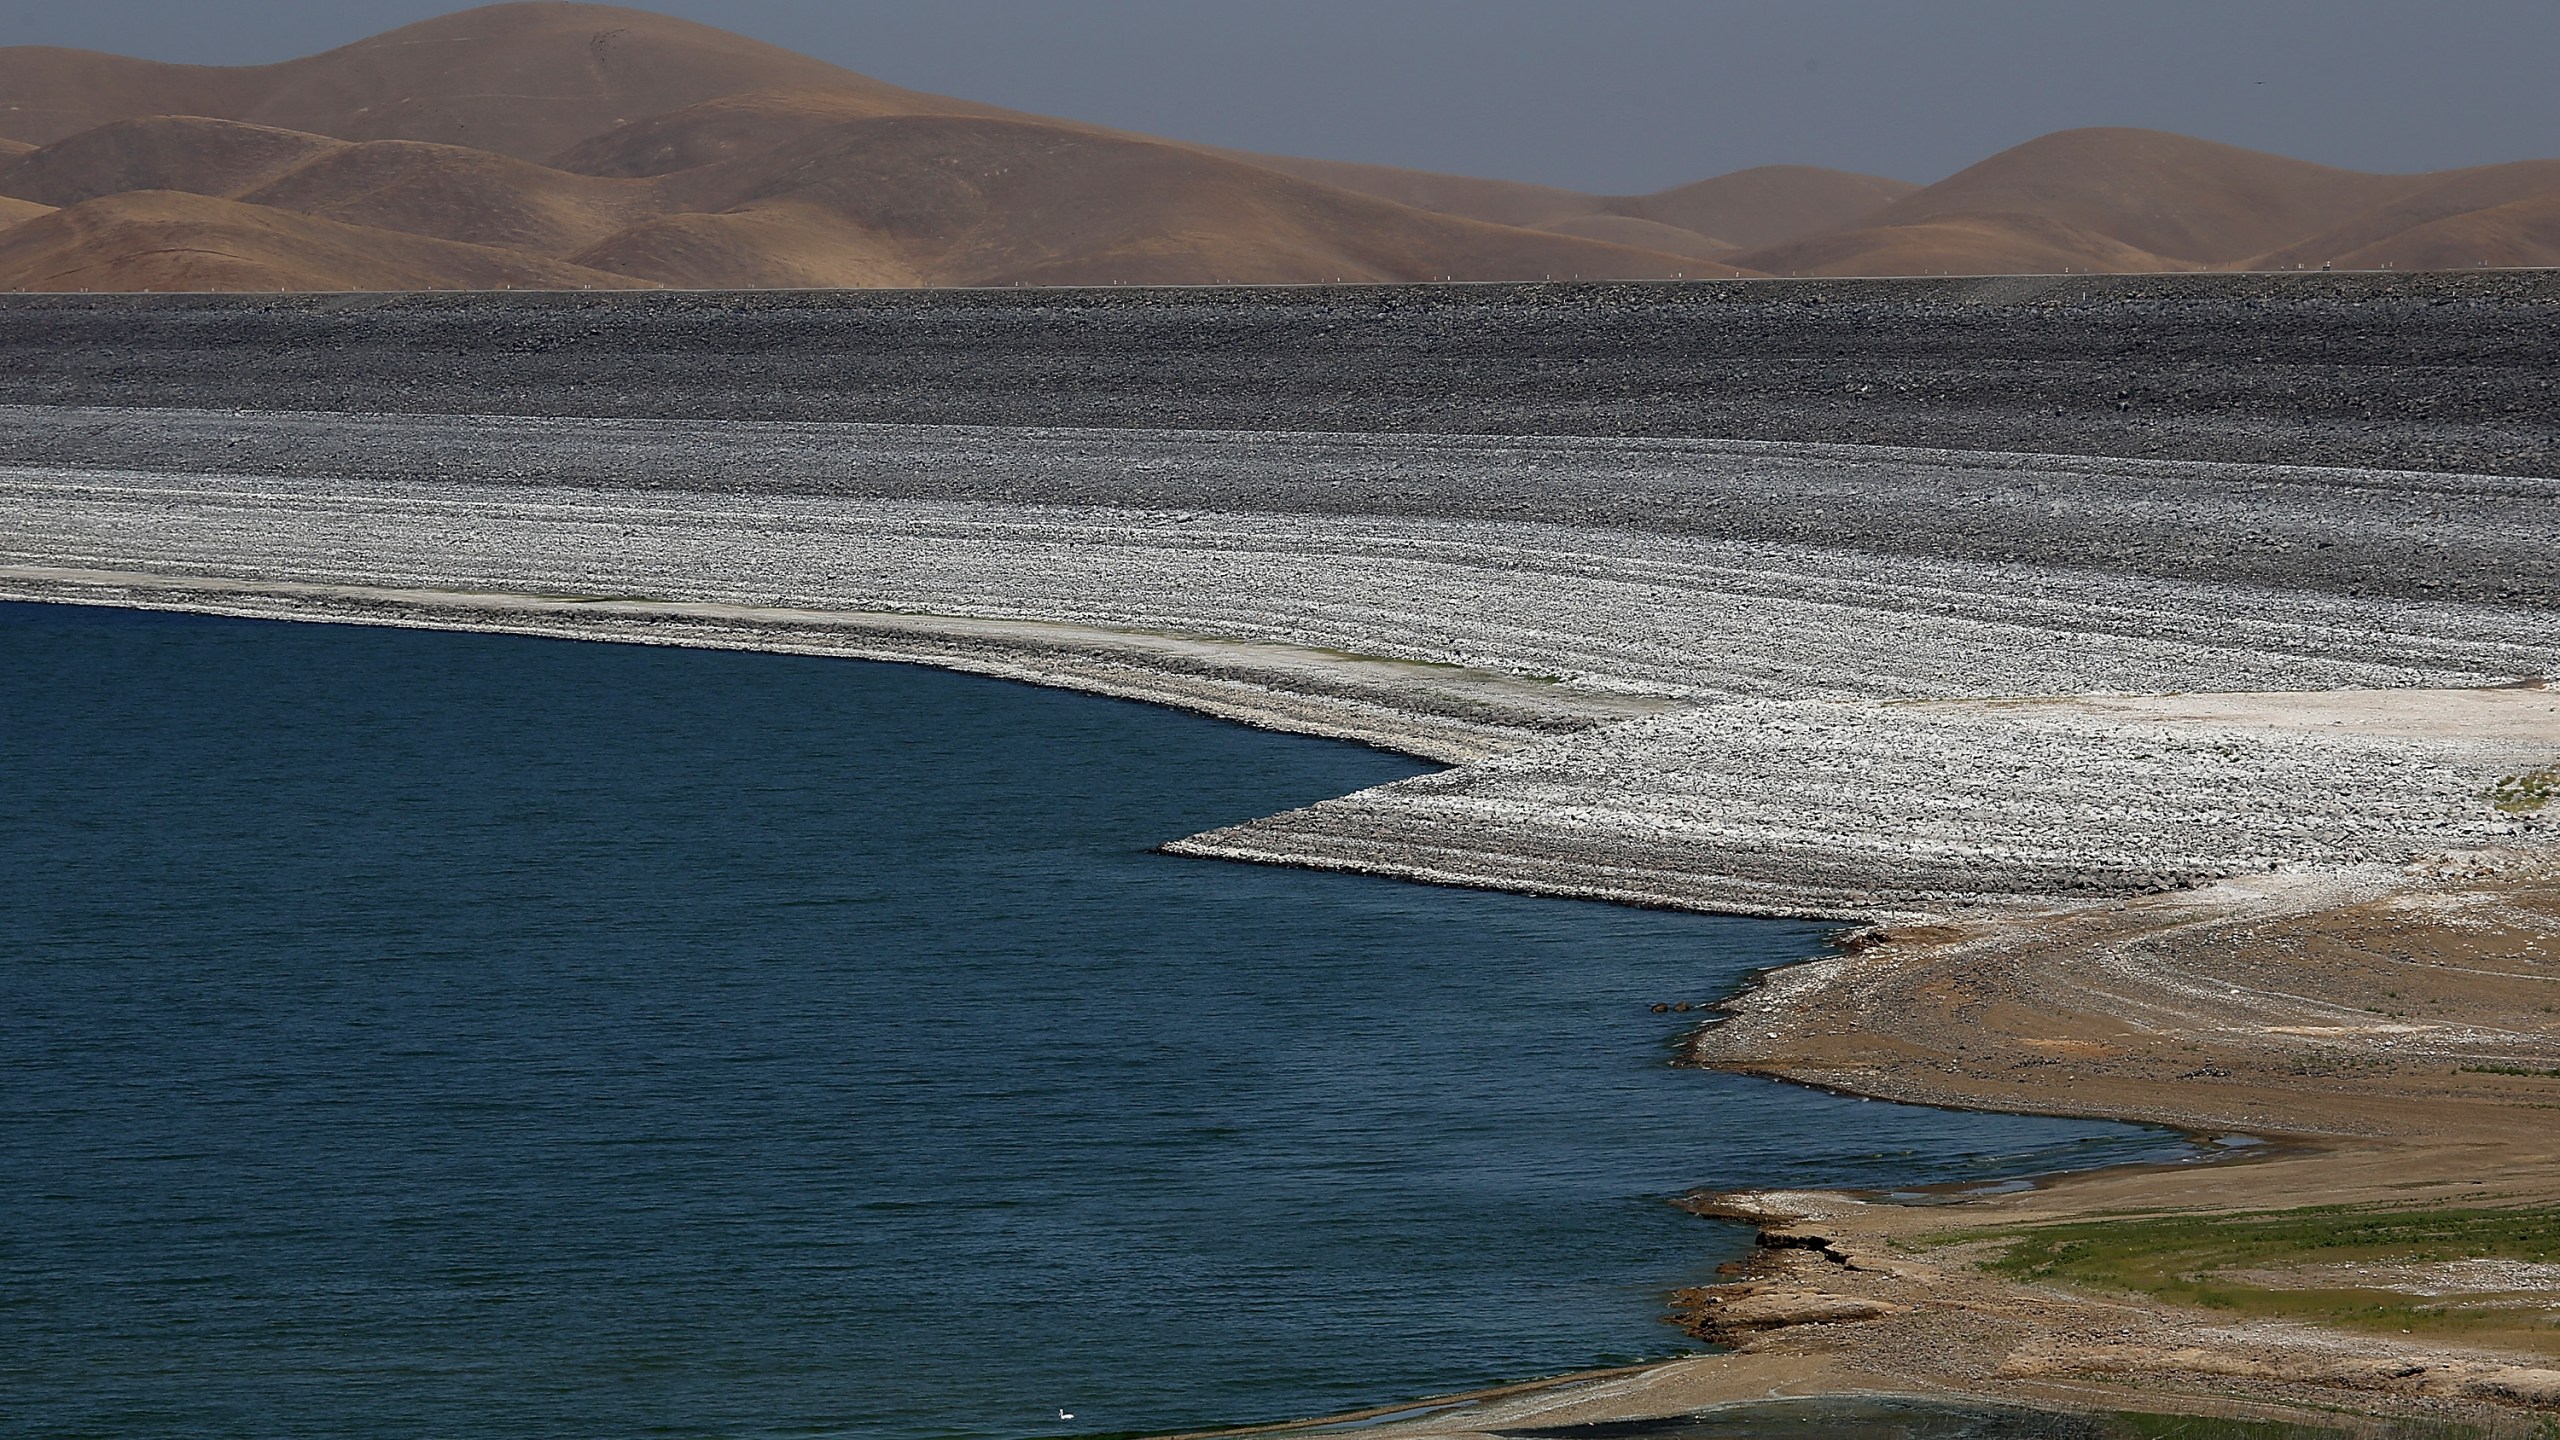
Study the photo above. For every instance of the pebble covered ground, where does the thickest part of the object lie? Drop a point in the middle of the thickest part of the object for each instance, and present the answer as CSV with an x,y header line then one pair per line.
x,y
1899,812
2452,372
1797,769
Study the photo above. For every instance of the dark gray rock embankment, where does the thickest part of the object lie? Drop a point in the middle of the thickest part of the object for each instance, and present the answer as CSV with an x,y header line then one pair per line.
x,y
2492,540
2452,372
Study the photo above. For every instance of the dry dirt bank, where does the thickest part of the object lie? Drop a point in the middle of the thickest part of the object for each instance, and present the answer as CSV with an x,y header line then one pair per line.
x,y
2392,1032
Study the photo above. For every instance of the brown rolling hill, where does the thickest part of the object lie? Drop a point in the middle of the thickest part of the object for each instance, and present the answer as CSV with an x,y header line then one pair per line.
x,y
980,201
1958,245
666,152
1499,202
449,192
169,240
526,80
741,126
1642,234
845,191
1761,206
734,127
1767,205
583,145
2139,200
779,246
49,94
452,192
2370,240
162,152
2521,234
2188,200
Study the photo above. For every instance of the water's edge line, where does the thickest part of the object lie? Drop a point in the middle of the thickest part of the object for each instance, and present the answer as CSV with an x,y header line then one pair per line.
x,y
1003,650
1090,659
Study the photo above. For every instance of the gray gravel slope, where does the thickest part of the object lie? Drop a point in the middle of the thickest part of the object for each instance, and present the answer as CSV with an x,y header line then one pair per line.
x,y
1638,493
2423,536
2449,372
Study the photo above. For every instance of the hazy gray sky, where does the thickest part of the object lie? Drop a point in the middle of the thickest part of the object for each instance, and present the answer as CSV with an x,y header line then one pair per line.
x,y
1620,95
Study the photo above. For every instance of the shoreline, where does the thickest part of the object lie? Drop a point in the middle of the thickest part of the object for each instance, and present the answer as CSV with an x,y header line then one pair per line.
x,y
1784,1297
2168,838
1444,714
1847,1285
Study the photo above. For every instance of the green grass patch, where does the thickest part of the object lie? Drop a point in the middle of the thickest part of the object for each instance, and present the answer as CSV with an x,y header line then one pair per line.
x,y
2191,1260
2526,793
2138,1425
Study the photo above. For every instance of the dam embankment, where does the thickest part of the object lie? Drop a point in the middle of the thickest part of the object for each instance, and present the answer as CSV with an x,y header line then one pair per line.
x,y
1468,522
2448,372
1815,745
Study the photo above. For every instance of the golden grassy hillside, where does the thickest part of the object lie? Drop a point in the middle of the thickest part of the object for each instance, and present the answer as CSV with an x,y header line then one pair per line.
x,y
577,142
551,144
526,80
2142,200
169,240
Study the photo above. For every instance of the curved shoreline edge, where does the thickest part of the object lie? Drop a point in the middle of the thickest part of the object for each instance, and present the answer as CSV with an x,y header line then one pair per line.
x,y
2191,787
1828,1263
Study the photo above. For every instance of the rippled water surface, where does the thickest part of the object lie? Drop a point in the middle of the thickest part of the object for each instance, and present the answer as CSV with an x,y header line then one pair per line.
x,y
415,1034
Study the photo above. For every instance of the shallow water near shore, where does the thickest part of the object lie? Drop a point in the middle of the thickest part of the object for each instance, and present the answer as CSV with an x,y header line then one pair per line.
x,y
410,1033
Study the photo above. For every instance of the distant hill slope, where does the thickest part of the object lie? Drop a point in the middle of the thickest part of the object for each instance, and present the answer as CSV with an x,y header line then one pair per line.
x,y
2133,200
2387,234
448,192
594,141
526,80
580,145
2524,233
979,201
2189,200
1761,206
452,192
1643,234
161,152
1958,245
731,127
167,240
1769,204
1500,202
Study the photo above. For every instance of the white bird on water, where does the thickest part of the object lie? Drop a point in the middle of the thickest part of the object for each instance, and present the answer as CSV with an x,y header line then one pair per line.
x,y
1063,1415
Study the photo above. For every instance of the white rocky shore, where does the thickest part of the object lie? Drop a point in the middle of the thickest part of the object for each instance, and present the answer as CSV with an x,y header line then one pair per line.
x,y
1658,716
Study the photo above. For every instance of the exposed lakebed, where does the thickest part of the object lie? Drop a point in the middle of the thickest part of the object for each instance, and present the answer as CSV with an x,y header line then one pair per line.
x,y
415,1033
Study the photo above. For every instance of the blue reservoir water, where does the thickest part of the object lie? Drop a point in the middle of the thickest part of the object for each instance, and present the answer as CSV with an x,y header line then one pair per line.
x,y
416,1034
